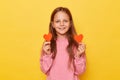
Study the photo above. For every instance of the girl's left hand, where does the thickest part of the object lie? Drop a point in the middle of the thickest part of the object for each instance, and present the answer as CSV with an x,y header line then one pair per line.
x,y
81,49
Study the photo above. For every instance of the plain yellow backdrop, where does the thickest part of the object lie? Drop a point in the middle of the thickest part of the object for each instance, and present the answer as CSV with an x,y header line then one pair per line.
x,y
23,23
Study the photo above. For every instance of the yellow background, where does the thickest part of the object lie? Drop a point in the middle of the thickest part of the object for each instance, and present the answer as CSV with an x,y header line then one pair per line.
x,y
23,23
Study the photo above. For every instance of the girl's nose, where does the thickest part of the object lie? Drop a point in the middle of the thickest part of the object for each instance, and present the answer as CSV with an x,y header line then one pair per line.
x,y
61,23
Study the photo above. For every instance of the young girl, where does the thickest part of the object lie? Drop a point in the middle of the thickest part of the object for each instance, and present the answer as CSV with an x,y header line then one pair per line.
x,y
62,58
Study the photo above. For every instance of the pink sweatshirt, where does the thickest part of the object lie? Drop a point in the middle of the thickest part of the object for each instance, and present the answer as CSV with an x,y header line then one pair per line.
x,y
57,69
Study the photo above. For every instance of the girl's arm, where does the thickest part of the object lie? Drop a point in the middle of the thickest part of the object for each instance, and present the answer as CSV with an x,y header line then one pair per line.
x,y
46,62
80,64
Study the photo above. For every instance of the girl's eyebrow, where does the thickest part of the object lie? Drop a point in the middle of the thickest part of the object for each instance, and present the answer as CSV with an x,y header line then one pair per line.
x,y
62,19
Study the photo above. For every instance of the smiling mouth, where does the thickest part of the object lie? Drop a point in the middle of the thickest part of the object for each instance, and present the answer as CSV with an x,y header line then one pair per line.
x,y
61,28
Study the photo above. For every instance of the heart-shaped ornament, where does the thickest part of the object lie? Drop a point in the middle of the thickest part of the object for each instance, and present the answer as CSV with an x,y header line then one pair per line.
x,y
78,38
47,37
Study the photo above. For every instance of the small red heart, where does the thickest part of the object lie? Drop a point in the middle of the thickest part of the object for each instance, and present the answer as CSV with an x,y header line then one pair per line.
x,y
78,38
47,37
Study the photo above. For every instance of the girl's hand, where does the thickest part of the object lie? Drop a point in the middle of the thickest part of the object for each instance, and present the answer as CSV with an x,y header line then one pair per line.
x,y
46,47
81,49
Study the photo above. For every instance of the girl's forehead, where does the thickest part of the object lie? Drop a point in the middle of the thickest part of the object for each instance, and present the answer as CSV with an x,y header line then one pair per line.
x,y
61,14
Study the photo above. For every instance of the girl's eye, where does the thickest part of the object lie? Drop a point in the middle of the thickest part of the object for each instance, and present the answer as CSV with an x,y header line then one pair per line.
x,y
65,20
57,21
61,21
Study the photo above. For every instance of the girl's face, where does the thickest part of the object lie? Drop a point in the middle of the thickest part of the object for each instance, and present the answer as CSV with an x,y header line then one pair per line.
x,y
61,23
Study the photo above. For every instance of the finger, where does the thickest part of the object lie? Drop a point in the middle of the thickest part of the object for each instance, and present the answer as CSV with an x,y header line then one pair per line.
x,y
82,45
81,49
48,50
46,43
47,47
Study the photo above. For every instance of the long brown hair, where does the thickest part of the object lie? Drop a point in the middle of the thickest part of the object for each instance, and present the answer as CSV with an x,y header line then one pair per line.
x,y
70,34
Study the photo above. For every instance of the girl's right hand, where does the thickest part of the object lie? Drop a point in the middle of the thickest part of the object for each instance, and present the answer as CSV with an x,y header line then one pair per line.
x,y
46,47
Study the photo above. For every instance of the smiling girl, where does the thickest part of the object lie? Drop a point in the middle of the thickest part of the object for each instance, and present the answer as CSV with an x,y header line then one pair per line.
x,y
62,58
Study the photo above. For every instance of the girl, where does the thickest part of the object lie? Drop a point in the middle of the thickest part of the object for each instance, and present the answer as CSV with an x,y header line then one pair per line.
x,y
62,58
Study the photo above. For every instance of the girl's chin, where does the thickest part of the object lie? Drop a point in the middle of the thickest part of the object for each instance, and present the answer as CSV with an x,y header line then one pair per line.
x,y
62,33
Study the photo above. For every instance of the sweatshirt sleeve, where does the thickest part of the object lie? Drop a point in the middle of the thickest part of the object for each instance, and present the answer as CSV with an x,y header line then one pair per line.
x,y
80,64
45,62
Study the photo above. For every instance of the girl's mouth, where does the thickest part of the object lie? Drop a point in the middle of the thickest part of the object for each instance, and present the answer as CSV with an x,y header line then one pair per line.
x,y
61,28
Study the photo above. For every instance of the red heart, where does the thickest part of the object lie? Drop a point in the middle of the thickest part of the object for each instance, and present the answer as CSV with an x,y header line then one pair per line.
x,y
78,38
47,37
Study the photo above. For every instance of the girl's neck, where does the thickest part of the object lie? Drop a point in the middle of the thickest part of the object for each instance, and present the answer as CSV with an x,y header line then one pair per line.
x,y
61,36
